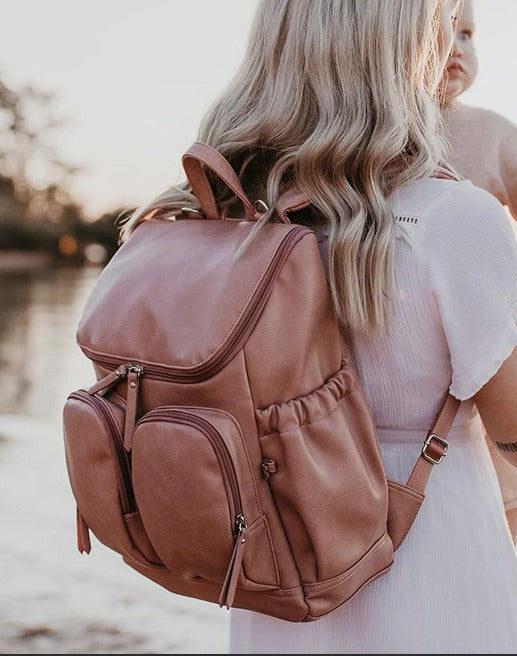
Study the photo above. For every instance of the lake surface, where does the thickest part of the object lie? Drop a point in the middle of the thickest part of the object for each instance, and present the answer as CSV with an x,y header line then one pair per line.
x,y
52,599
40,362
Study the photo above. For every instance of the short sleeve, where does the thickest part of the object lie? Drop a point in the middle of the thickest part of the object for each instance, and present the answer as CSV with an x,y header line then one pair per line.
x,y
471,259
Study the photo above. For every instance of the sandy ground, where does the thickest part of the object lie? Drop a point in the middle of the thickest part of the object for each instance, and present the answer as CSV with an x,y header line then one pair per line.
x,y
54,600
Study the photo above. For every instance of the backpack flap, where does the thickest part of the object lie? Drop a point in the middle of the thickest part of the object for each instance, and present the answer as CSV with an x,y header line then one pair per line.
x,y
174,298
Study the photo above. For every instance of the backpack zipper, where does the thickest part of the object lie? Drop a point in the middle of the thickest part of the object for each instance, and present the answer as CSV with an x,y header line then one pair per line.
x,y
227,467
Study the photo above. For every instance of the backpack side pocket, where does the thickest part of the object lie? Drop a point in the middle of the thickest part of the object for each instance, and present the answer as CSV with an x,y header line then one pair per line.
x,y
323,465
99,470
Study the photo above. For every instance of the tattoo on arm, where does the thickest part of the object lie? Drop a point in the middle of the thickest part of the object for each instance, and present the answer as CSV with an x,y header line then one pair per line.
x,y
507,446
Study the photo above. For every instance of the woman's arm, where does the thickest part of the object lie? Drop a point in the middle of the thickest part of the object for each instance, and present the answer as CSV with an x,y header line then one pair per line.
x,y
497,405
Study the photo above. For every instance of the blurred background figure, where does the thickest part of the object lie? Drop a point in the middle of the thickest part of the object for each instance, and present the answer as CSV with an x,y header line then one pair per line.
x,y
483,142
484,150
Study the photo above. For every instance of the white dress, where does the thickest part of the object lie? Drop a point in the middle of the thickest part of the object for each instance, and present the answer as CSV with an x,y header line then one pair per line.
x,y
453,585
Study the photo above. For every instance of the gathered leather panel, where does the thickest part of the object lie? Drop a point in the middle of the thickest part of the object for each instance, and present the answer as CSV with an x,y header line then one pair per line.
x,y
326,477
302,411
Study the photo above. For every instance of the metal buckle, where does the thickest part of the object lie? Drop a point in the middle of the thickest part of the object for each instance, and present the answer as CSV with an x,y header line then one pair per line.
x,y
427,442
261,207
190,213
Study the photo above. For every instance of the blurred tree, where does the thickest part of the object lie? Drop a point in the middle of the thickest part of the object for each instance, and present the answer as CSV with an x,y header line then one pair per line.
x,y
43,216
105,230
11,204
28,121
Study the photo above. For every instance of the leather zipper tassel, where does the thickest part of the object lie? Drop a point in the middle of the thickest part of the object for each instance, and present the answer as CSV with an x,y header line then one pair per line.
x,y
232,575
104,384
133,383
83,534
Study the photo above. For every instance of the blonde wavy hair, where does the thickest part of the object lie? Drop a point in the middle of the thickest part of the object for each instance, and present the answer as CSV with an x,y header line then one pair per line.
x,y
339,96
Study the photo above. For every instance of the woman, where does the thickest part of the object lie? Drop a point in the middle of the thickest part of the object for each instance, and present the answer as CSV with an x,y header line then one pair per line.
x,y
339,95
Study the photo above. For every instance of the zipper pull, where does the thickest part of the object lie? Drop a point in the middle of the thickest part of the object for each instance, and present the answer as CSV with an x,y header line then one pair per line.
x,y
240,523
83,534
269,467
108,381
232,575
133,384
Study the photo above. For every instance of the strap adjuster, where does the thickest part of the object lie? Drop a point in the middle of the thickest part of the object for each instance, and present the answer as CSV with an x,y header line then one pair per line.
x,y
427,443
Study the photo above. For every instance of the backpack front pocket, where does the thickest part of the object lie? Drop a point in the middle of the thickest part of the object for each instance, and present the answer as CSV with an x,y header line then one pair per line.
x,y
323,465
99,470
195,490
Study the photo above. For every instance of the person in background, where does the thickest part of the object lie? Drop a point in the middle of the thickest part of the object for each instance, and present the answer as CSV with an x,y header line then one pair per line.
x,y
483,143
483,150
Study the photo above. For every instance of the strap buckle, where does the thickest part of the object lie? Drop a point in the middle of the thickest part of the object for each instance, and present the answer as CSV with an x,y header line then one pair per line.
x,y
427,442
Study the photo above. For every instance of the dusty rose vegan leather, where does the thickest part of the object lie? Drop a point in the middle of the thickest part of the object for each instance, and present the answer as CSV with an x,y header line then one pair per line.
x,y
226,449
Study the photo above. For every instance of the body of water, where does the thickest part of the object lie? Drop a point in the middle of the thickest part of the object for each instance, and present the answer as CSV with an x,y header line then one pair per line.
x,y
40,362
52,599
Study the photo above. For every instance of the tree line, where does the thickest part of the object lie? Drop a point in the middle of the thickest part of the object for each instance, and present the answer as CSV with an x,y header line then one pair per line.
x,y
44,216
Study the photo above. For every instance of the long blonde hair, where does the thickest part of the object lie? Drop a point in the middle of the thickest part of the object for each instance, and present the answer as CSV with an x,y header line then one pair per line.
x,y
338,95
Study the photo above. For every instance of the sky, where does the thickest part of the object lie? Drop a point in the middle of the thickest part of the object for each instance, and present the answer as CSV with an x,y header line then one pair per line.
x,y
132,79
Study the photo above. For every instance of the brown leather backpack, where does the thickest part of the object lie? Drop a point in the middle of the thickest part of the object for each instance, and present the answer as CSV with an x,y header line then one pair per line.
x,y
226,449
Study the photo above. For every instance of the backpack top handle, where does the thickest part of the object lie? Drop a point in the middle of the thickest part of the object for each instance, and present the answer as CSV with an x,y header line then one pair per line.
x,y
200,155
194,160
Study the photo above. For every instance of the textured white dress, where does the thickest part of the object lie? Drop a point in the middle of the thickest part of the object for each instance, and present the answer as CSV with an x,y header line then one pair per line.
x,y
453,585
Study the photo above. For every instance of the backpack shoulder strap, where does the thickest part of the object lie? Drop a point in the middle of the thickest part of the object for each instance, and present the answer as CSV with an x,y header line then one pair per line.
x,y
435,444
405,500
446,174
292,199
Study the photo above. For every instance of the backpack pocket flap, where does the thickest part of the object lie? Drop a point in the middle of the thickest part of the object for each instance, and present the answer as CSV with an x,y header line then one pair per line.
x,y
197,325
192,482
100,474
